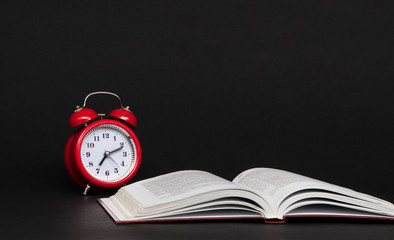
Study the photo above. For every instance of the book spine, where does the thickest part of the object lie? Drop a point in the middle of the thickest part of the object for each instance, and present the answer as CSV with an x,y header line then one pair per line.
x,y
274,221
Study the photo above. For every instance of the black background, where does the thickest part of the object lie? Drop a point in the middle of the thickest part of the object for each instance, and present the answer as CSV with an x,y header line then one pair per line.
x,y
221,86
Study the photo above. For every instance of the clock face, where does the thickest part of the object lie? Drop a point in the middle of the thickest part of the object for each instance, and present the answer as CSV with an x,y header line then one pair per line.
x,y
108,153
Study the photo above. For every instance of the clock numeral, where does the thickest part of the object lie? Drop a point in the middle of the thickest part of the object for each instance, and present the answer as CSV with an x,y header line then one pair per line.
x,y
96,138
97,170
122,164
90,164
90,145
124,154
116,170
105,135
87,154
107,173
115,138
122,144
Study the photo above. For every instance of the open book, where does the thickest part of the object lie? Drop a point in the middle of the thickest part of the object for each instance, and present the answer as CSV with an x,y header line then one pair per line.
x,y
261,193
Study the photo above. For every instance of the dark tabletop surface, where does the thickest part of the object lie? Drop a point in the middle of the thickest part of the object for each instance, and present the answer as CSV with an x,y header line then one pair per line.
x,y
60,211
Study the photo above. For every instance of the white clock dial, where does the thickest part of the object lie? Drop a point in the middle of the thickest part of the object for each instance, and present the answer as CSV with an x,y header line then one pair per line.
x,y
108,153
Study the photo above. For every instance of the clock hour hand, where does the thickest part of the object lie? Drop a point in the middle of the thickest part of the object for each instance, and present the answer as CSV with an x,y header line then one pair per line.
x,y
116,150
107,153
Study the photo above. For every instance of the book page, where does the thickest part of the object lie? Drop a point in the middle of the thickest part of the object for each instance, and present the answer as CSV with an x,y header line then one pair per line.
x,y
225,208
176,186
340,210
272,184
285,191
221,211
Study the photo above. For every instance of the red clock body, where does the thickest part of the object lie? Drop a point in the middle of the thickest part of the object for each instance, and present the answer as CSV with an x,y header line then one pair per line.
x,y
102,154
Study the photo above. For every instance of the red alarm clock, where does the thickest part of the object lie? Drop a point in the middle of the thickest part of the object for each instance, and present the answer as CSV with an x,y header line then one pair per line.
x,y
103,153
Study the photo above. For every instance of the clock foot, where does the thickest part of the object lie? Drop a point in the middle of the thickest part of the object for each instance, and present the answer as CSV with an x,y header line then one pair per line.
x,y
85,192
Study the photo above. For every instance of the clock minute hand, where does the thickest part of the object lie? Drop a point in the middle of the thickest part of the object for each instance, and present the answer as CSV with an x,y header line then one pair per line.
x,y
106,154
